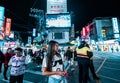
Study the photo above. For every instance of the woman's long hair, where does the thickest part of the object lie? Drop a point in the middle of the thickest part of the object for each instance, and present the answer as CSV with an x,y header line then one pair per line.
x,y
50,53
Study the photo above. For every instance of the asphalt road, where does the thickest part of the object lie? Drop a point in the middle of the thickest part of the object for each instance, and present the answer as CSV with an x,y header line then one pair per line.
x,y
107,66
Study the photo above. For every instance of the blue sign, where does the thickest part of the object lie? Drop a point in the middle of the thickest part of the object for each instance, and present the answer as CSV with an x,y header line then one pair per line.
x,y
1,16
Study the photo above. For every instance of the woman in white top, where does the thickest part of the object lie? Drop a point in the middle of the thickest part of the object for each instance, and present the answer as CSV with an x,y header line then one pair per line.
x,y
52,65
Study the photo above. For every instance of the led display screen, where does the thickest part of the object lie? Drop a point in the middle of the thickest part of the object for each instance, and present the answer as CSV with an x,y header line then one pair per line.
x,y
58,20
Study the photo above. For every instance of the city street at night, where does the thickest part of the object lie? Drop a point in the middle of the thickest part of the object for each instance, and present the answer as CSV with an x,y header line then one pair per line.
x,y
52,35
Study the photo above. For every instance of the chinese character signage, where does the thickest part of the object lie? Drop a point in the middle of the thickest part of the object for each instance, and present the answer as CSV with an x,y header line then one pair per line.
x,y
8,26
56,6
115,27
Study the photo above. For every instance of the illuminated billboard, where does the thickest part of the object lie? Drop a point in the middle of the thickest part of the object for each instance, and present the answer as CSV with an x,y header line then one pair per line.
x,y
2,9
58,20
8,26
56,6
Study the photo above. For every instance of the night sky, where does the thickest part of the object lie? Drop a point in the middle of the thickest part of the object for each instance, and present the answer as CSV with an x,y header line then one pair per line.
x,y
84,11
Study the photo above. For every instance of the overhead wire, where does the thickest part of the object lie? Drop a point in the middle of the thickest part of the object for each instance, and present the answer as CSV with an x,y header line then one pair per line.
x,y
24,26
20,18
34,3
20,25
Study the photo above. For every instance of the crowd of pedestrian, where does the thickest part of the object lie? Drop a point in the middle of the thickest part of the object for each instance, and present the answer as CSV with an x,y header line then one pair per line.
x,y
56,63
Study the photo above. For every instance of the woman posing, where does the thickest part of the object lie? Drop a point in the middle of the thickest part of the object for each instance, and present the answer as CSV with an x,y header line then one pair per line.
x,y
52,65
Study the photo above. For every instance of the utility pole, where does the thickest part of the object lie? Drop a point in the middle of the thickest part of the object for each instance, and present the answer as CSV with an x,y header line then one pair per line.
x,y
39,16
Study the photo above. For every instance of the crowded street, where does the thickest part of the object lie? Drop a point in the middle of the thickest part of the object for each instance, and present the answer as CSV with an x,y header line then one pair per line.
x,y
59,41
106,66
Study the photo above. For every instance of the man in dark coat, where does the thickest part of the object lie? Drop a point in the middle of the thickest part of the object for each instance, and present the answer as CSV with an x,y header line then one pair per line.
x,y
68,54
1,59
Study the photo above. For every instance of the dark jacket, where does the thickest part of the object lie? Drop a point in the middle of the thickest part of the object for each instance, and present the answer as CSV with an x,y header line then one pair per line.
x,y
1,57
7,57
68,54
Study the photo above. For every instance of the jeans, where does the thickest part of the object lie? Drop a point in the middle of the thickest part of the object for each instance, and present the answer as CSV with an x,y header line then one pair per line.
x,y
54,80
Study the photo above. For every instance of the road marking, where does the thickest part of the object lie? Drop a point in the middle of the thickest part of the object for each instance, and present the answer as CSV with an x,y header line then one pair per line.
x,y
113,63
25,81
101,65
110,78
112,68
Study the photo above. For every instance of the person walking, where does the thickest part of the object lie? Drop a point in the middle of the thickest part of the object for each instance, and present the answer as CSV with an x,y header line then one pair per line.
x,y
17,65
52,64
1,60
91,66
7,57
68,54
83,62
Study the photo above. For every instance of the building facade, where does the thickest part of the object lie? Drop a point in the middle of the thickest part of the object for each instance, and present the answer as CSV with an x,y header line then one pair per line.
x,y
105,33
105,29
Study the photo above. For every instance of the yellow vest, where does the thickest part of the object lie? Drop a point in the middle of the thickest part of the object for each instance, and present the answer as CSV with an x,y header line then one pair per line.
x,y
83,51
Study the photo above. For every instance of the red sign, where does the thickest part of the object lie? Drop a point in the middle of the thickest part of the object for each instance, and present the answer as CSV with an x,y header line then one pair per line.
x,y
84,32
88,28
8,26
